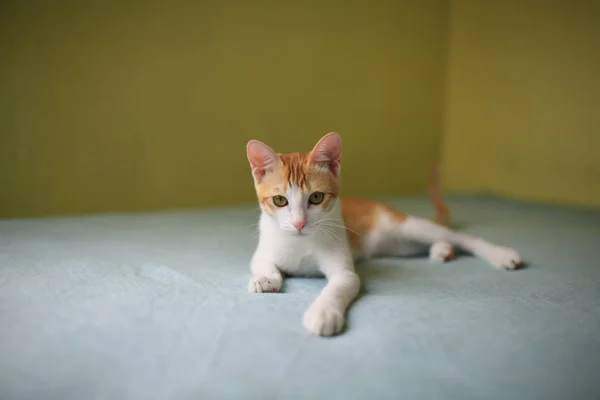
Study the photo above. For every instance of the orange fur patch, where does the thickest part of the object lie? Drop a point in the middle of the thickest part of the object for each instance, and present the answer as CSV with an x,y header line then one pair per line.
x,y
362,216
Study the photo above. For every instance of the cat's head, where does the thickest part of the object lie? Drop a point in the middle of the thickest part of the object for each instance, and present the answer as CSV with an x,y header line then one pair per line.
x,y
298,190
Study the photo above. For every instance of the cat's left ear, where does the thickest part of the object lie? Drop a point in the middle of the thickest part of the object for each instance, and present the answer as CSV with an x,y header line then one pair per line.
x,y
328,152
262,159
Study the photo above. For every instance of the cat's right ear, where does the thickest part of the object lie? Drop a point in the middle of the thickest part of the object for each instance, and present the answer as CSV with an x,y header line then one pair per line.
x,y
262,158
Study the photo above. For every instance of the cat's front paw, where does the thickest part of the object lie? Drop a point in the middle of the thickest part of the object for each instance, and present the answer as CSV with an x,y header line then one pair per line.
x,y
323,320
262,284
505,258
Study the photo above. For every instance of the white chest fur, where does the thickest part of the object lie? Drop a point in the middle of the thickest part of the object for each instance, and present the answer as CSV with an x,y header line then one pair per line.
x,y
294,254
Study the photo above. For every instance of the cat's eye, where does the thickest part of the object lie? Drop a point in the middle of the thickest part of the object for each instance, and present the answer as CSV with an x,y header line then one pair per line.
x,y
280,201
316,198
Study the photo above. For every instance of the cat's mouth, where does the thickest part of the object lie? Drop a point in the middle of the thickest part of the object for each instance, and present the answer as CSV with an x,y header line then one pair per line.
x,y
300,233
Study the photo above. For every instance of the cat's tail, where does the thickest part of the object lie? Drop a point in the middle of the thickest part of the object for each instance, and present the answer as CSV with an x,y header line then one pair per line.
x,y
442,212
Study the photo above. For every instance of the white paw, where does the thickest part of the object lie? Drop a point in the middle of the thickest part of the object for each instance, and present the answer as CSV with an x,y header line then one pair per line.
x,y
504,257
441,251
323,320
262,284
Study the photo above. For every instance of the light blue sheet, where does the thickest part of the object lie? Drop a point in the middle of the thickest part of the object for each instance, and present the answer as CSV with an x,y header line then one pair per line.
x,y
155,306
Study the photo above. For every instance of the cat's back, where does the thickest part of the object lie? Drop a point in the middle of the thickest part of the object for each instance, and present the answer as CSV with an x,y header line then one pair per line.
x,y
362,216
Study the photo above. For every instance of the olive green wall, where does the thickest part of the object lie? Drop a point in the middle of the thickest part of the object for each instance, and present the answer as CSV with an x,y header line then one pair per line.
x,y
118,106
523,99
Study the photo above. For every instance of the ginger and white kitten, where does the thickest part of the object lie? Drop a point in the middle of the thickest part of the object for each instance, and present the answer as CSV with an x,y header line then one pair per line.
x,y
307,229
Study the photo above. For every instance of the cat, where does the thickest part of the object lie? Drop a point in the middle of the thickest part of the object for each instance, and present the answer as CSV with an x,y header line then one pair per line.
x,y
307,229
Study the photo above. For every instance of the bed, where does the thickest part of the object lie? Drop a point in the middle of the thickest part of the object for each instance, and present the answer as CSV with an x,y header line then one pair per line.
x,y
154,306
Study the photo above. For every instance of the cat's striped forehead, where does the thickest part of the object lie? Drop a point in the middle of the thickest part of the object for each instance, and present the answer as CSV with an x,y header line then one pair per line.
x,y
295,168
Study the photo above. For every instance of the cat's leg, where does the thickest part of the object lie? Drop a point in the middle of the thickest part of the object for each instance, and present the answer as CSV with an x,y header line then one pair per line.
x,y
387,240
326,315
266,277
440,237
390,242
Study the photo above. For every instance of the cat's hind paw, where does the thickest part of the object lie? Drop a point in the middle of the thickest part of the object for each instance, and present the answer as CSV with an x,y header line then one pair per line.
x,y
262,284
505,258
441,252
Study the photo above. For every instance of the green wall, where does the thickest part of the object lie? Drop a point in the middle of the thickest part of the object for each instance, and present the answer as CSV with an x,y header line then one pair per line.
x,y
523,99
119,106
109,106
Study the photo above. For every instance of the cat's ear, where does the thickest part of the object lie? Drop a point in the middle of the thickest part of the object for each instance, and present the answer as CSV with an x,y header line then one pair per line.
x,y
328,152
262,158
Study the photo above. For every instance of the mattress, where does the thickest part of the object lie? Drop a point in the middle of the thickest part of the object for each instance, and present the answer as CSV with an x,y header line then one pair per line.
x,y
154,306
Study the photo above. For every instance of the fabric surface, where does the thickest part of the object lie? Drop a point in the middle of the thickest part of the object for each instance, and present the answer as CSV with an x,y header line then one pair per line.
x,y
154,306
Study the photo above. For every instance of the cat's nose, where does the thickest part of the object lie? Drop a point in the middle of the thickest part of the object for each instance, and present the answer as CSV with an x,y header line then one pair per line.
x,y
300,225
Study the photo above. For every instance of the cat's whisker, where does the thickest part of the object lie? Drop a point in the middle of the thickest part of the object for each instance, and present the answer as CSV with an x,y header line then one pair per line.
x,y
332,220
331,235
327,220
328,236
339,226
